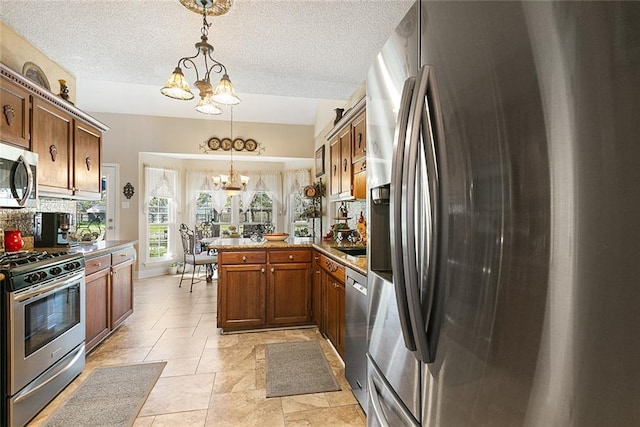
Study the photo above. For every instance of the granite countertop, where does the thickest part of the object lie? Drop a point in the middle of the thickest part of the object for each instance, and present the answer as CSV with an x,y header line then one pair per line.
x,y
330,249
99,248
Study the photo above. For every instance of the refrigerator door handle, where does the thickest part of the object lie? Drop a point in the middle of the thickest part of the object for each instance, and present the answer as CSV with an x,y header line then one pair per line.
x,y
396,212
420,295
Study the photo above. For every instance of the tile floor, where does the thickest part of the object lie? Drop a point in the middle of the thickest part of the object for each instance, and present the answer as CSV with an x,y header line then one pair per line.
x,y
210,379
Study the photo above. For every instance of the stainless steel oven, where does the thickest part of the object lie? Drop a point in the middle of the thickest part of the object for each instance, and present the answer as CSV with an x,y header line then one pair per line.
x,y
43,329
18,177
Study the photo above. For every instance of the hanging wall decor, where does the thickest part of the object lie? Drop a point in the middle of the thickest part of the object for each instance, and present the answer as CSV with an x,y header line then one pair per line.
x,y
128,190
238,144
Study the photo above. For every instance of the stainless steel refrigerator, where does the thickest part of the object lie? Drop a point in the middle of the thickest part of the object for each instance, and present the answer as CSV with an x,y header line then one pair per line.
x,y
503,162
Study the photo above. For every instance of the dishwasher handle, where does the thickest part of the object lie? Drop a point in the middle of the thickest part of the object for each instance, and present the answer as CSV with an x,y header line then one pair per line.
x,y
358,287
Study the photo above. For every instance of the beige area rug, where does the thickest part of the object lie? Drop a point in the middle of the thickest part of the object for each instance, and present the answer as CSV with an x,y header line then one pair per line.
x,y
297,368
110,396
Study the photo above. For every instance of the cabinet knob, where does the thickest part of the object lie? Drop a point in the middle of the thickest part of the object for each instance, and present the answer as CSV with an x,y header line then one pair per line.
x,y
273,269
98,264
359,140
244,258
291,257
262,270
344,164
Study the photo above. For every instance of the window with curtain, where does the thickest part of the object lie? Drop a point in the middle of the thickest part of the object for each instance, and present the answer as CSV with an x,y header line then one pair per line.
x,y
160,212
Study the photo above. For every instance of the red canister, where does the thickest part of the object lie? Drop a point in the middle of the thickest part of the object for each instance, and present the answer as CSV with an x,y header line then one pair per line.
x,y
13,241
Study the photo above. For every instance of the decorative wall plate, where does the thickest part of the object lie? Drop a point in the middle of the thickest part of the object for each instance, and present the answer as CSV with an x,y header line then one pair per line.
x,y
213,143
310,191
35,74
226,144
238,144
250,145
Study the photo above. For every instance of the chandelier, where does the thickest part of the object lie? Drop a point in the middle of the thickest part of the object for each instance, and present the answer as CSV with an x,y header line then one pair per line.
x,y
177,87
232,183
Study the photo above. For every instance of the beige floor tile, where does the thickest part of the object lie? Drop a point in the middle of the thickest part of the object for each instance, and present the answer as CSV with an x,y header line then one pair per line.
x,y
178,367
178,320
130,337
341,398
217,340
345,416
236,358
143,421
179,394
245,409
177,348
266,337
118,356
179,332
182,419
304,402
234,381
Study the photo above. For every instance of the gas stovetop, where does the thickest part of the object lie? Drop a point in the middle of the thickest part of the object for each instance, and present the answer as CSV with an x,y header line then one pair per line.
x,y
23,269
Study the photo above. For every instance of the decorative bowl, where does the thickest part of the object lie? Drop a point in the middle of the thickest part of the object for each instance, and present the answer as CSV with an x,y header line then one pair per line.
x,y
275,237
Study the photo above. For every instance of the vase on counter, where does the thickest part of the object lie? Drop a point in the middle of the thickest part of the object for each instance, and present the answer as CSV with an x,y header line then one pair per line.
x,y
13,241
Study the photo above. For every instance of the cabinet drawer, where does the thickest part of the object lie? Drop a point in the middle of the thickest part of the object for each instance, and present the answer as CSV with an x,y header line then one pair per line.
x,y
246,257
96,264
332,267
123,255
289,256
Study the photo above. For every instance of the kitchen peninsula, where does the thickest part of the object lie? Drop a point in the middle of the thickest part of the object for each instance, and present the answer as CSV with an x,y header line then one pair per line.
x,y
279,284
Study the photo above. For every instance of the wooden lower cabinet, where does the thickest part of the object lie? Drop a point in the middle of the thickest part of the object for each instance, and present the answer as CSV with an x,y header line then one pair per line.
x,y
289,294
335,295
109,293
259,289
121,293
241,296
98,308
329,282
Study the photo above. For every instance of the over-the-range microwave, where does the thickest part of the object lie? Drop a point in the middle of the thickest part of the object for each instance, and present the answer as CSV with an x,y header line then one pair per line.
x,y
18,177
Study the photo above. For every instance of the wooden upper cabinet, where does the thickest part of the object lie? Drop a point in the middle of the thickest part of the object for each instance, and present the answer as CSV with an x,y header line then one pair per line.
x,y
52,139
335,167
359,137
345,160
67,140
348,142
87,162
14,111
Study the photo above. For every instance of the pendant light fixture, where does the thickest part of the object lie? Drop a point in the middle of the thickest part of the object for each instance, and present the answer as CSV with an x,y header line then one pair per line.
x,y
177,87
233,183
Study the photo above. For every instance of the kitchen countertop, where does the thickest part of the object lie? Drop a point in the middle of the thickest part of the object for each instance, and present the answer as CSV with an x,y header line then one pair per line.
x,y
330,249
99,248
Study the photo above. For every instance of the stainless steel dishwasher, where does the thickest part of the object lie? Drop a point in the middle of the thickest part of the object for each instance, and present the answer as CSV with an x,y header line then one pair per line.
x,y
355,345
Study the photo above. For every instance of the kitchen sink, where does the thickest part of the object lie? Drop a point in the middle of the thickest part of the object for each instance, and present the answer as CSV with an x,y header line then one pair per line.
x,y
353,251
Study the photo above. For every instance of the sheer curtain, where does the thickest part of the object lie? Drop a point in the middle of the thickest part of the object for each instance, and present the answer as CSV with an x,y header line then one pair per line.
x,y
160,182
294,181
269,181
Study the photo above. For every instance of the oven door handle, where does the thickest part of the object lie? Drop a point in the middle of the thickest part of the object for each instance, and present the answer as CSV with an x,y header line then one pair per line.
x,y
52,286
29,391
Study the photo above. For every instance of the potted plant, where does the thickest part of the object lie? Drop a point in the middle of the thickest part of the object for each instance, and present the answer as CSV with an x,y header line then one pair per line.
x,y
173,268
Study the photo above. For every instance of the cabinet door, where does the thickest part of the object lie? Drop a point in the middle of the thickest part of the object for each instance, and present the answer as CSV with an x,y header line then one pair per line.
x,y
345,160
242,296
340,315
121,293
335,167
359,137
14,123
316,295
289,294
87,162
360,179
331,298
97,307
51,138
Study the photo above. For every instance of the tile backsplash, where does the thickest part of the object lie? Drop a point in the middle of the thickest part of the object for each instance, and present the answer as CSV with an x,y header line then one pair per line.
x,y
22,219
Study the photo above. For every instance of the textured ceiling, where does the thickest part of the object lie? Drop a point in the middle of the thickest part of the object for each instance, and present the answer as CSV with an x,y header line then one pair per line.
x,y
295,51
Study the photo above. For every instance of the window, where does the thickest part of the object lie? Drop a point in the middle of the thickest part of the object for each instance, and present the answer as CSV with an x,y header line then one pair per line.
x,y
158,226
160,210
